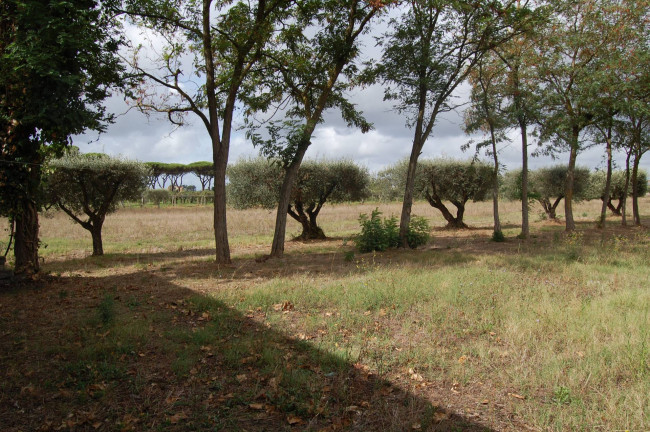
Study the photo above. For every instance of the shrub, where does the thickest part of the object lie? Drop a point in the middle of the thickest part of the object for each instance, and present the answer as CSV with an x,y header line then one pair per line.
x,y
157,196
418,233
379,234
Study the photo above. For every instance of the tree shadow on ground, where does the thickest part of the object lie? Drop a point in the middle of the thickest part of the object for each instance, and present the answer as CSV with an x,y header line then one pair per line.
x,y
137,352
447,248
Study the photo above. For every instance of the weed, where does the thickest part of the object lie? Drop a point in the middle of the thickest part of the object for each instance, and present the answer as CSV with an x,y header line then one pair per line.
x,y
106,310
497,236
348,256
561,396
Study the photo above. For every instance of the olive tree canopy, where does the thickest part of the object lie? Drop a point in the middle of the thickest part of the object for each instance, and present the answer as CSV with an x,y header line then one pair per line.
x,y
88,187
257,182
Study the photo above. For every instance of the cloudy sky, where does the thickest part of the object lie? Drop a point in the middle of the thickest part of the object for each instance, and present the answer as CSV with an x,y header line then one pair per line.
x,y
153,138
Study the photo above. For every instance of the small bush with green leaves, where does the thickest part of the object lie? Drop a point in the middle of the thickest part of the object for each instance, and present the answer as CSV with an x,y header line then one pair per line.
x,y
418,233
379,234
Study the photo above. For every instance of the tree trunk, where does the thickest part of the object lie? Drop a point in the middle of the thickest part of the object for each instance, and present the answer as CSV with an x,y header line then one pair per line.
x,y
290,174
525,226
220,225
407,203
98,247
452,221
626,190
635,196
495,184
310,230
26,239
570,176
608,186
615,210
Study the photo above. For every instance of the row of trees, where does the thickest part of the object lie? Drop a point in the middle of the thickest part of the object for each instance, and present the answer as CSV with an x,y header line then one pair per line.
x,y
164,174
568,69
87,187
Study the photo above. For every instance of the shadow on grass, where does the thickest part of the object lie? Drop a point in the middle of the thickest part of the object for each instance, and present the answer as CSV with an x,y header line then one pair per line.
x,y
137,352
448,247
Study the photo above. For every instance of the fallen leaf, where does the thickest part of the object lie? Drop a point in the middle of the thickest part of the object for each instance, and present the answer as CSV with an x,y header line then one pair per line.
x,y
518,396
440,416
292,420
256,406
177,417
416,426
241,378
462,359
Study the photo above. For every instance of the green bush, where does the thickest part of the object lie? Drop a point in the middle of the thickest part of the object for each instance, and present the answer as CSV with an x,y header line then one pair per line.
x,y
379,235
418,233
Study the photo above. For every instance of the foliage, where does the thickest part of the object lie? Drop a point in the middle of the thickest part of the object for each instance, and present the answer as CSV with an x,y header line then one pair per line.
x,y
428,52
257,182
379,234
253,183
388,184
618,189
454,181
157,196
308,70
547,186
93,185
58,61
219,44
204,171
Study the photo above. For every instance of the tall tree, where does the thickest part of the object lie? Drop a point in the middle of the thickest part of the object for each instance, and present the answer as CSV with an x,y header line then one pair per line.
x,y
309,70
486,115
571,51
58,60
518,88
429,52
209,48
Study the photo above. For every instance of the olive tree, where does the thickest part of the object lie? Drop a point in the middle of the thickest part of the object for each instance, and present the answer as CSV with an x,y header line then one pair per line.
x,y
547,186
455,181
88,187
258,183
617,189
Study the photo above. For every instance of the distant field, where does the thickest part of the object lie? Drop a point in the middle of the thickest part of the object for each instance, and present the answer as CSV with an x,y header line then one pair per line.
x,y
548,334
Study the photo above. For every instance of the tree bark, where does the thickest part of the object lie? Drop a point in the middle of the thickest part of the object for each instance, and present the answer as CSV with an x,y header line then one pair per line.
x,y
525,225
626,190
570,176
455,222
290,175
26,239
495,184
608,185
98,247
220,222
407,203
635,196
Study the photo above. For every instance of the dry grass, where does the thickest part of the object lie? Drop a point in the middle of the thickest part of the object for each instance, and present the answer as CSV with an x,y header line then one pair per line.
x,y
146,230
552,333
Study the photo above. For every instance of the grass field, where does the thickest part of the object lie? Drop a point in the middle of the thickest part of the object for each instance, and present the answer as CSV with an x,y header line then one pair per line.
x,y
547,334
